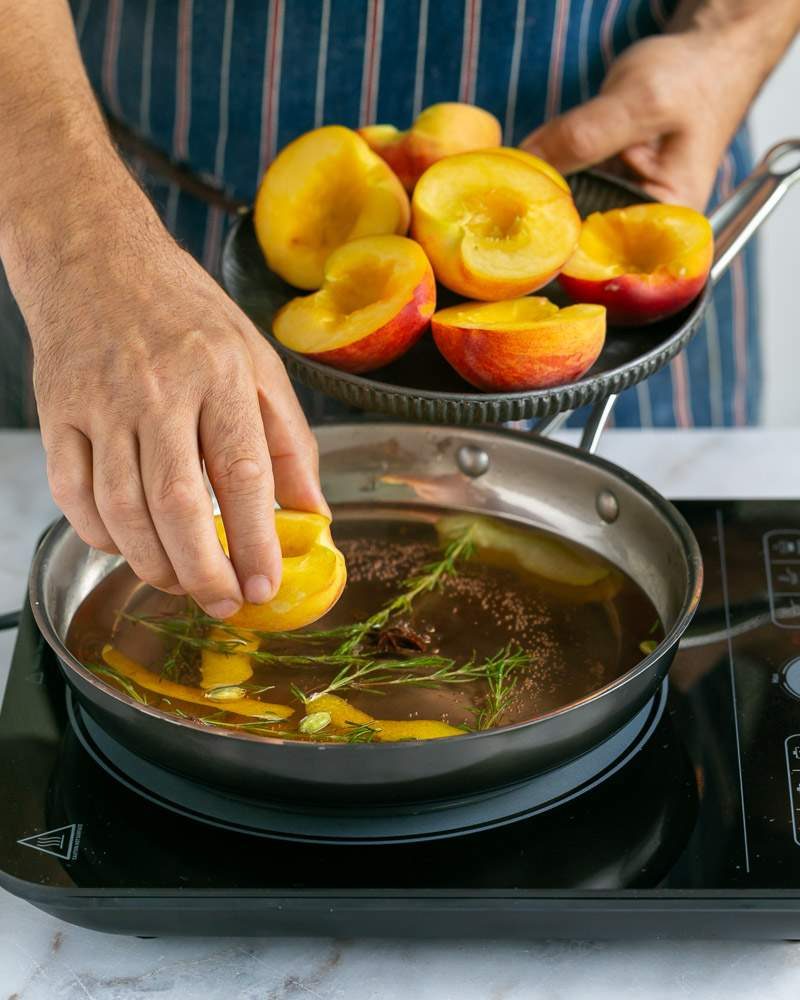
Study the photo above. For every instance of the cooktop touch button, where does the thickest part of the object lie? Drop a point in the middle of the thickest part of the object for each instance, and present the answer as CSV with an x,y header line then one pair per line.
x,y
782,564
791,677
793,773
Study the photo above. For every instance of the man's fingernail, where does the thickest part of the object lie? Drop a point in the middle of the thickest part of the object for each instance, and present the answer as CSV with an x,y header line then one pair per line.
x,y
222,609
258,589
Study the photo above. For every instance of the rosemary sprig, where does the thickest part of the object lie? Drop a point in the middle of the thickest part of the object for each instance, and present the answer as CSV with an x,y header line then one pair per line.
x,y
183,654
355,668
180,626
361,734
175,625
369,675
331,660
358,672
428,580
501,685
128,687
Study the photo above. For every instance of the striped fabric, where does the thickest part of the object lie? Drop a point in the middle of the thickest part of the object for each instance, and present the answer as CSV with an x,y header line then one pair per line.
x,y
221,85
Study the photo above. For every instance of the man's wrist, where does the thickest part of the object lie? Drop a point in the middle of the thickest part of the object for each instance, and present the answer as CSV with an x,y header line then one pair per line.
x,y
757,32
66,212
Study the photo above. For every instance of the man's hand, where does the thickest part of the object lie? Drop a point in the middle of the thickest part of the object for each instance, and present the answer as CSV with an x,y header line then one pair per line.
x,y
671,104
143,366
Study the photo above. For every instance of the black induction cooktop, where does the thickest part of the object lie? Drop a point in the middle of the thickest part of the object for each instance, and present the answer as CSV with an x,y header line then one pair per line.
x,y
685,824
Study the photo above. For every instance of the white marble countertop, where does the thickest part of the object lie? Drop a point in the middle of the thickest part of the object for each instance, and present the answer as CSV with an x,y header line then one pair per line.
x,y
42,958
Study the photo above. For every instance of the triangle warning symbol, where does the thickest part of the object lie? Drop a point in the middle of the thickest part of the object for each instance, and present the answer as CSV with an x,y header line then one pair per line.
x,y
58,842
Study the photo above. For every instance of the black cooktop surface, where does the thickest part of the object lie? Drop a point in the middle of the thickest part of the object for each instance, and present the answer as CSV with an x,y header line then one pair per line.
x,y
696,832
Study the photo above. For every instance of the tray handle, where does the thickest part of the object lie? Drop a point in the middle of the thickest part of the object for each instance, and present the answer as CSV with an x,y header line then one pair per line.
x,y
738,218
734,222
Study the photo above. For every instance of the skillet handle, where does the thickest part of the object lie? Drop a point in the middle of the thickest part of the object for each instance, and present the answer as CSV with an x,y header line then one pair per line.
x,y
736,219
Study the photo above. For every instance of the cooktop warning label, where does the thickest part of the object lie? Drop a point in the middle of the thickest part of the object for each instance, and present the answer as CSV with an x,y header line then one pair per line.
x,y
62,842
793,770
782,564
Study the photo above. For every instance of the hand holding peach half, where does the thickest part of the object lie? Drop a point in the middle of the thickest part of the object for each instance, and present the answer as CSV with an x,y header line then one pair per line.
x,y
376,300
520,344
440,130
643,263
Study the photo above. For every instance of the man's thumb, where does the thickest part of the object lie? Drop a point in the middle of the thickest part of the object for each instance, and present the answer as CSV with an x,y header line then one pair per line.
x,y
585,136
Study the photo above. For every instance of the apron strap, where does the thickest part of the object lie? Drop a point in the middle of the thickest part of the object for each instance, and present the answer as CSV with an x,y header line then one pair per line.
x,y
135,147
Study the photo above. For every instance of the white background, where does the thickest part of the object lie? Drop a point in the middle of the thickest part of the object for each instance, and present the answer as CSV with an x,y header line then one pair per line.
x,y
776,115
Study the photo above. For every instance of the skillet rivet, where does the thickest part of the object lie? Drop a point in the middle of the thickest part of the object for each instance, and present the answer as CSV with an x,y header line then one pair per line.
x,y
472,461
607,506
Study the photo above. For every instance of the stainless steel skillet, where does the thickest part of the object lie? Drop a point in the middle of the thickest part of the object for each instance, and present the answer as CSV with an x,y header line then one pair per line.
x,y
380,466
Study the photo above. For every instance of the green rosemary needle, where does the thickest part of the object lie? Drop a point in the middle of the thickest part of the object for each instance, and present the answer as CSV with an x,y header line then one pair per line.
x,y
428,580
128,687
501,685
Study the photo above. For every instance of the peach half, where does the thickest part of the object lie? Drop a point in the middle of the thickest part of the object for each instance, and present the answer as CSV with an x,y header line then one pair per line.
x,y
643,263
440,130
377,299
493,226
314,575
526,343
323,189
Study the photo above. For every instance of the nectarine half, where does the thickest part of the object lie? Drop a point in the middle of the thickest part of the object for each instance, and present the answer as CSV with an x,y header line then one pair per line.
x,y
440,130
377,299
643,263
323,189
526,343
493,226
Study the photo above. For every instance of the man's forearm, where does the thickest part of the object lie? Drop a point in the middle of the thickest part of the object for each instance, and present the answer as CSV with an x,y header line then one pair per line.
x,y
57,163
757,31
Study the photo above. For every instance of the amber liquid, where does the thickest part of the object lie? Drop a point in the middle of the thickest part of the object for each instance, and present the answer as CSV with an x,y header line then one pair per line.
x,y
579,639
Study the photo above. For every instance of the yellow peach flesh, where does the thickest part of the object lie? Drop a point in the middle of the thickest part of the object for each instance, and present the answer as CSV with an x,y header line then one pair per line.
x,y
323,189
533,161
367,283
346,716
314,575
151,681
526,313
493,227
642,239
220,669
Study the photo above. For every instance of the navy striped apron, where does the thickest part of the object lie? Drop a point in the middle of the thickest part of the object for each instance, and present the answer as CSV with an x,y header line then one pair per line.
x,y
221,85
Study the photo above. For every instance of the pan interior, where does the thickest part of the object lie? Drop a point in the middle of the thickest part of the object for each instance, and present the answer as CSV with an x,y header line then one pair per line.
x,y
581,627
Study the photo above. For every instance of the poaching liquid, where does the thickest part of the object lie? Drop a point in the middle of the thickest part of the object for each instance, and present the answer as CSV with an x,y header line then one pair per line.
x,y
572,631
